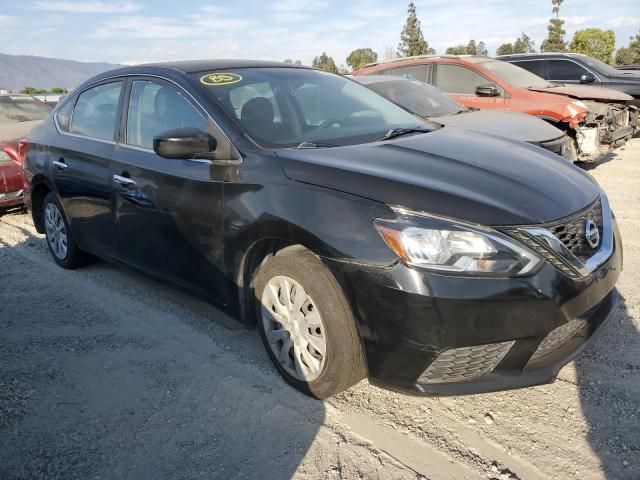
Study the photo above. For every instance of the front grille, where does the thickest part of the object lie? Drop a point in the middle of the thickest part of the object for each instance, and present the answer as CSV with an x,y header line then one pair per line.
x,y
571,232
558,337
465,363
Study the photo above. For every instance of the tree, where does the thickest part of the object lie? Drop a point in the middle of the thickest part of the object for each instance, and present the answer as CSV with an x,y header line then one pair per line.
x,y
505,49
595,43
325,62
32,90
412,40
291,62
470,49
360,57
524,44
457,50
59,90
555,36
629,55
482,50
389,53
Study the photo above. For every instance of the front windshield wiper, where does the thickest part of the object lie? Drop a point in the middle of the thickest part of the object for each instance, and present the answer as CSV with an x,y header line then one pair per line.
x,y
398,132
315,145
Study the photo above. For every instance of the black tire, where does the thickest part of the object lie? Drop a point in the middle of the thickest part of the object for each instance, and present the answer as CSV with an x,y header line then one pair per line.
x,y
344,361
74,257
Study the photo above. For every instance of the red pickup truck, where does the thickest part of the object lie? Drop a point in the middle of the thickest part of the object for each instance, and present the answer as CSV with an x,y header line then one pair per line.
x,y
18,115
598,119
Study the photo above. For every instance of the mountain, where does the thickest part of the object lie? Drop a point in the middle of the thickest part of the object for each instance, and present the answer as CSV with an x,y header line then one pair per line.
x,y
19,71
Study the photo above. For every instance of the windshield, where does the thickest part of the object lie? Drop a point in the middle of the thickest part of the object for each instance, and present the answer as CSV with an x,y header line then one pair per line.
x,y
599,65
417,97
22,108
514,75
291,107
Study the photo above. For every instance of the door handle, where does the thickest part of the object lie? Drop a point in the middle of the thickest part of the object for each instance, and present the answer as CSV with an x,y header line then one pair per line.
x,y
60,164
124,181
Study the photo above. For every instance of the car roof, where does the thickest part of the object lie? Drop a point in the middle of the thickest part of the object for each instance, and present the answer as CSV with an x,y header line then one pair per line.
x,y
541,55
194,66
420,59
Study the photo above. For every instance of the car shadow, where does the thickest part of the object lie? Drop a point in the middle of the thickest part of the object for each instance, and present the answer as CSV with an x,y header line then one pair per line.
x,y
608,373
94,384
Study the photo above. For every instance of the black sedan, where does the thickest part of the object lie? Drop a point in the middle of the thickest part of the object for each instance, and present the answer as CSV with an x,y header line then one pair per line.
x,y
430,103
360,240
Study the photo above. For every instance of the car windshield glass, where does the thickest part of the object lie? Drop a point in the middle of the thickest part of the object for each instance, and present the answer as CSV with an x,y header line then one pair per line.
x,y
296,107
514,75
600,66
417,97
21,108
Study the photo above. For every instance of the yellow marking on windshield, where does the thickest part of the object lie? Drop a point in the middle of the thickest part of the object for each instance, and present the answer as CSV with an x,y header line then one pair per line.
x,y
220,79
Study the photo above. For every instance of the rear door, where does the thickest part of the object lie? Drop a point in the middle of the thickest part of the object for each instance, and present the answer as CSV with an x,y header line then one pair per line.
x,y
460,83
169,212
80,163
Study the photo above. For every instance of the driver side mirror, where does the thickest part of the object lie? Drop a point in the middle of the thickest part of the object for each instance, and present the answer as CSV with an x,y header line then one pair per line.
x,y
185,143
487,90
587,78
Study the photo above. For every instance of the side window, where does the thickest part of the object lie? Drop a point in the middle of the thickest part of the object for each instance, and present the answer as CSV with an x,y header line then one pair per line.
x,y
565,70
458,79
534,66
241,96
63,115
155,109
95,112
414,72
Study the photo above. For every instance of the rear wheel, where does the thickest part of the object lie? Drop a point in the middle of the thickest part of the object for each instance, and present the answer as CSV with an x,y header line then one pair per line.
x,y
60,239
306,324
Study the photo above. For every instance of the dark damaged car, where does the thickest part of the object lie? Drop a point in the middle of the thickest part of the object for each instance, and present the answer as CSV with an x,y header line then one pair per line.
x,y
359,240
430,103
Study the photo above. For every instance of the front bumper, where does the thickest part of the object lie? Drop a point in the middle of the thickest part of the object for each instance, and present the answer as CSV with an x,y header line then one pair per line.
x,y
408,318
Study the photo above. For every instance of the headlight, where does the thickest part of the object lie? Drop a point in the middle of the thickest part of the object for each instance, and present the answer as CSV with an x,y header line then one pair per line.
x,y
580,104
4,157
451,246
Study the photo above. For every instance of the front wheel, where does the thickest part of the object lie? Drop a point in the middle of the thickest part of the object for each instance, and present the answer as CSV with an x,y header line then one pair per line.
x,y
306,324
60,239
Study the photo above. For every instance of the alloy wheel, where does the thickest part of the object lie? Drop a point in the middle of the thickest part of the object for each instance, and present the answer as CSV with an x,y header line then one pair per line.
x,y
294,329
56,231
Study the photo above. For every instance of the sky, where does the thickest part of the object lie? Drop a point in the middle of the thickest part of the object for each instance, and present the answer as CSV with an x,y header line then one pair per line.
x,y
137,31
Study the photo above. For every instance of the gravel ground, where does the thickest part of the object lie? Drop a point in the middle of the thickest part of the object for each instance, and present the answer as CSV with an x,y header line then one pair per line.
x,y
107,374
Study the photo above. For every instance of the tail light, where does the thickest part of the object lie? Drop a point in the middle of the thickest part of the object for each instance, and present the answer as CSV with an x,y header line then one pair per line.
x,y
22,150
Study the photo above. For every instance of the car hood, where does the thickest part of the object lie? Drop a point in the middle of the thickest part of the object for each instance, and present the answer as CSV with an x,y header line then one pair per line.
x,y
457,173
586,92
15,131
514,125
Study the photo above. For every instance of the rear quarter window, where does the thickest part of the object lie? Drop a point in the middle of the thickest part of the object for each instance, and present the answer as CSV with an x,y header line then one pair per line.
x,y
63,115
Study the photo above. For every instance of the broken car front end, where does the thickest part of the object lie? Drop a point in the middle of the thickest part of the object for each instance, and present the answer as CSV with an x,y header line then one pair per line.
x,y
605,127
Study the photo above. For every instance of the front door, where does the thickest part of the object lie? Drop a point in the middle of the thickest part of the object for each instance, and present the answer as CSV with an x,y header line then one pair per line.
x,y
169,212
81,162
460,82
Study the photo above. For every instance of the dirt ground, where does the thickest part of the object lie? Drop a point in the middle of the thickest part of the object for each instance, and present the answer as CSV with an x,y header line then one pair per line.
x,y
107,374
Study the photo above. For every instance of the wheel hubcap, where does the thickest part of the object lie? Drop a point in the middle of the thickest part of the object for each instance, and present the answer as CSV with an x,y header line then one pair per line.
x,y
56,231
294,328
